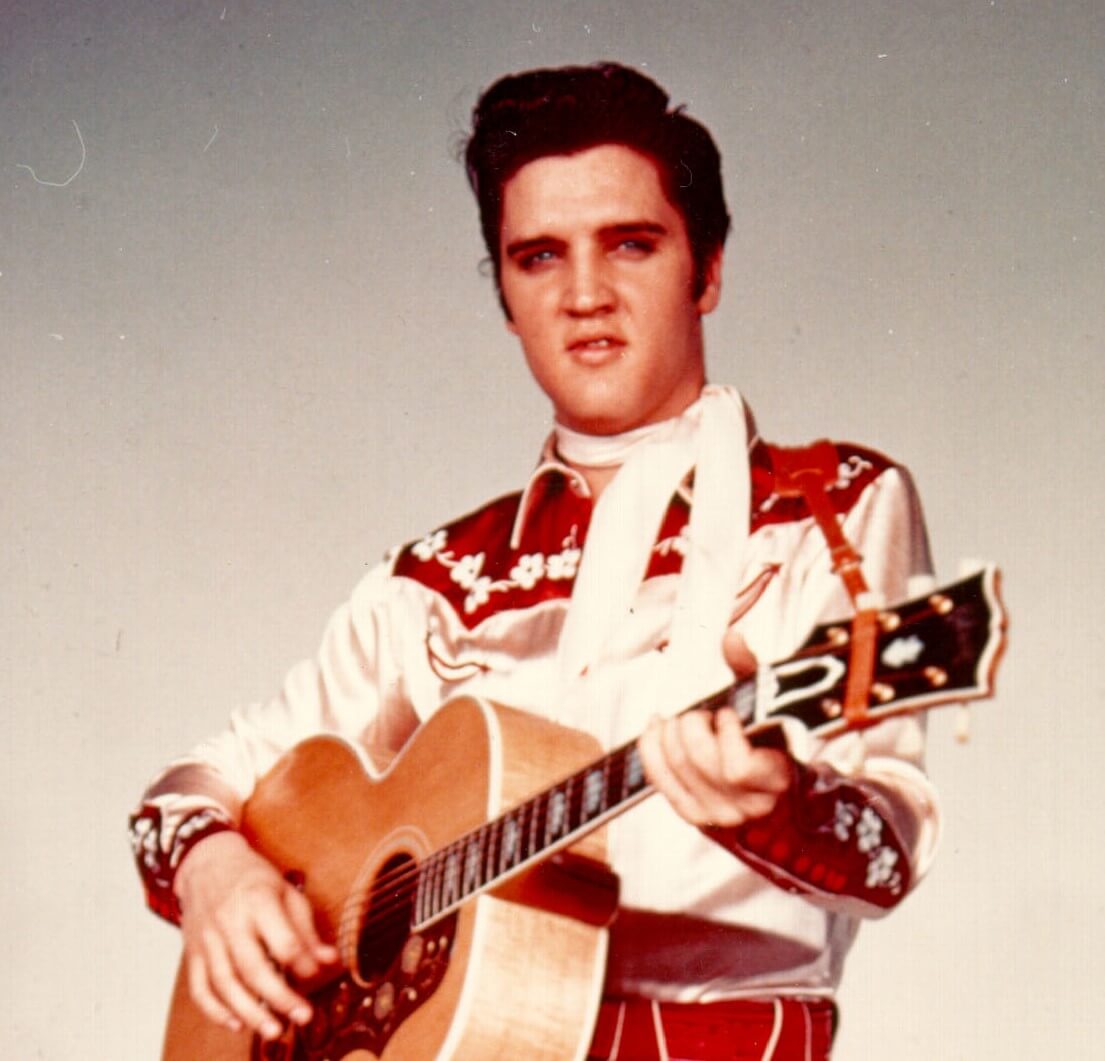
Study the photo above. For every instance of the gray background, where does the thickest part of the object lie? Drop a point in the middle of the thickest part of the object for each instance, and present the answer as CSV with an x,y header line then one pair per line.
x,y
248,346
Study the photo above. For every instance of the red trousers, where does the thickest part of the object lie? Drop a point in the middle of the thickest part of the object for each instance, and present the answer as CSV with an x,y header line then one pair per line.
x,y
780,1029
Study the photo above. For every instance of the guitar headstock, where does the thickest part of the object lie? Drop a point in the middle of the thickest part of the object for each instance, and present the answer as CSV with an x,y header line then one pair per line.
x,y
940,648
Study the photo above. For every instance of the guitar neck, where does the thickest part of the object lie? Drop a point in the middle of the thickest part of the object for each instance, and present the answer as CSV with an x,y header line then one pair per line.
x,y
547,822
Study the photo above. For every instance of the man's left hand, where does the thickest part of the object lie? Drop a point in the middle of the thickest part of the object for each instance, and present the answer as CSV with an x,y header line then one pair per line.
x,y
705,766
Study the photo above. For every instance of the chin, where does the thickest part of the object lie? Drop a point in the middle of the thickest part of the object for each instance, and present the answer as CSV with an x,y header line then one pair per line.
x,y
597,423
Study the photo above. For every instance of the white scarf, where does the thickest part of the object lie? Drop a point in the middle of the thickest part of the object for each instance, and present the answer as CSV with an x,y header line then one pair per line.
x,y
711,436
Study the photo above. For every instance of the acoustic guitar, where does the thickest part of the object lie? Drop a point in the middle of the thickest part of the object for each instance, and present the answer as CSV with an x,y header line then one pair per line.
x,y
466,888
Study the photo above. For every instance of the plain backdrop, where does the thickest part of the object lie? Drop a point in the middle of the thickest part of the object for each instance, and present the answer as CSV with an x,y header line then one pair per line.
x,y
246,345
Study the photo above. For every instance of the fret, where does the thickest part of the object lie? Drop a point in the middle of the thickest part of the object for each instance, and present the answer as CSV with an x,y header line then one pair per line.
x,y
473,855
450,885
634,775
420,894
510,847
433,864
494,833
535,807
593,793
556,820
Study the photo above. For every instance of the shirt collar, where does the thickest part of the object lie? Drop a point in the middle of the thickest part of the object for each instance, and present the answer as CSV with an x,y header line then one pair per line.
x,y
550,466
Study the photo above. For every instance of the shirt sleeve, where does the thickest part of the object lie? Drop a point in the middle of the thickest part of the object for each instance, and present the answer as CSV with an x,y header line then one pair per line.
x,y
859,825
352,688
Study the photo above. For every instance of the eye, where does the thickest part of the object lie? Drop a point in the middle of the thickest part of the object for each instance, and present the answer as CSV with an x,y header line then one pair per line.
x,y
535,258
636,246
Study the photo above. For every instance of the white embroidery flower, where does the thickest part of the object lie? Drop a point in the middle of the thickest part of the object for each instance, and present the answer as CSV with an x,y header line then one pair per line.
x,y
143,827
563,564
430,546
529,570
478,594
880,869
466,570
869,830
850,469
845,818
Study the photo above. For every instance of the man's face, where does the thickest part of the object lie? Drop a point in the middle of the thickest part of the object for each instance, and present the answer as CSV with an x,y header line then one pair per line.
x,y
598,274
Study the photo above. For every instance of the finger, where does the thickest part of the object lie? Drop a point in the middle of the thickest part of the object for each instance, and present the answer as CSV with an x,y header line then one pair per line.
x,y
267,983
658,767
228,988
302,919
724,779
697,756
755,769
737,654
273,923
757,777
204,997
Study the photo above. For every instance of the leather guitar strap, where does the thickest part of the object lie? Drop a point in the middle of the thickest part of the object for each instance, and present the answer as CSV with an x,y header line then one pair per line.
x,y
808,472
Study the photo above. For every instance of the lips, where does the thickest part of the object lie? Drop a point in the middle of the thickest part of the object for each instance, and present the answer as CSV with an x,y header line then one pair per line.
x,y
596,348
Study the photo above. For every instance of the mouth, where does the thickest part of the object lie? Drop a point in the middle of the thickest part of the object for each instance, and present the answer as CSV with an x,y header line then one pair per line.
x,y
596,348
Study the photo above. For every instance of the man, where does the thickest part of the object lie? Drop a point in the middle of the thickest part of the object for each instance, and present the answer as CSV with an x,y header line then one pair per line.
x,y
649,558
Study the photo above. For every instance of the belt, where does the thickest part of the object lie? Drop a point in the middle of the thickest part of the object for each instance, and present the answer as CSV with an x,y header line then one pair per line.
x,y
773,1029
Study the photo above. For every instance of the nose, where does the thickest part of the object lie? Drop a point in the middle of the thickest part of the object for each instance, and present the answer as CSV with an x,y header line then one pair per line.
x,y
588,290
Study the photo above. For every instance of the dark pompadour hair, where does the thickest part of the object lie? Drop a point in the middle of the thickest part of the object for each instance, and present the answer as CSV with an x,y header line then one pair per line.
x,y
568,109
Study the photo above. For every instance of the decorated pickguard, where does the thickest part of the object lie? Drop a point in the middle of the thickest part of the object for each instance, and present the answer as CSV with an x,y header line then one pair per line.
x,y
352,1016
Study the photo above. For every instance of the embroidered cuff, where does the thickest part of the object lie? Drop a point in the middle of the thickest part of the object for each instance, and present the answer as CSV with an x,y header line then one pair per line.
x,y
158,852
826,838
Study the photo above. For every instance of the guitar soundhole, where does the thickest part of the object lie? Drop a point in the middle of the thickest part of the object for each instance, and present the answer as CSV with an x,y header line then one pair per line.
x,y
388,917
396,972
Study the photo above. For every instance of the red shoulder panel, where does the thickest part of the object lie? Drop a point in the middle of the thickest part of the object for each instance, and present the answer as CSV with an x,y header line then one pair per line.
x,y
473,565
858,467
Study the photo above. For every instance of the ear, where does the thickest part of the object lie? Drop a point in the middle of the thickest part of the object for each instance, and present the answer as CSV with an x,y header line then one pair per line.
x,y
711,287
508,317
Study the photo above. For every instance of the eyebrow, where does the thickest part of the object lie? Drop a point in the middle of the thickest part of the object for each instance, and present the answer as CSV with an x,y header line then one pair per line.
x,y
622,228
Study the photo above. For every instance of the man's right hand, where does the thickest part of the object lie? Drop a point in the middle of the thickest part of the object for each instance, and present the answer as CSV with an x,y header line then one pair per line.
x,y
242,922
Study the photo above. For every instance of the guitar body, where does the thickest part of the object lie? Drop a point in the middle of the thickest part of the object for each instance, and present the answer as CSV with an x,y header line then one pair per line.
x,y
513,973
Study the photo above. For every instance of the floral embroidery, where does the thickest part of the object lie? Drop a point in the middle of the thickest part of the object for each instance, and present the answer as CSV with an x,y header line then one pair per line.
x,y
844,819
880,870
529,570
467,571
143,840
430,546
881,859
869,830
849,470
563,565
479,594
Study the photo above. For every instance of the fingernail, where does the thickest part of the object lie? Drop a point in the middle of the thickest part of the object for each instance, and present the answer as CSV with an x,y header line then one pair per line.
x,y
270,1029
301,1014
